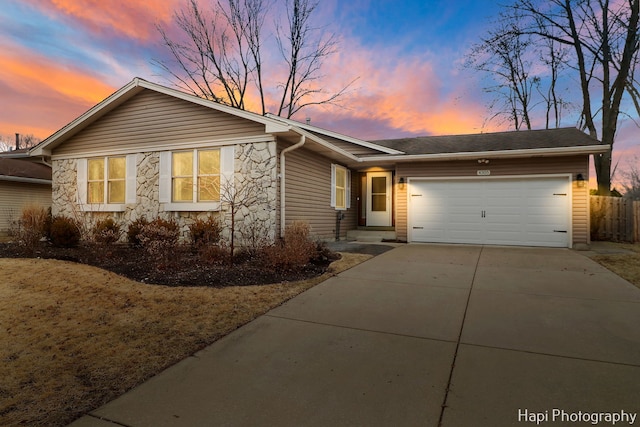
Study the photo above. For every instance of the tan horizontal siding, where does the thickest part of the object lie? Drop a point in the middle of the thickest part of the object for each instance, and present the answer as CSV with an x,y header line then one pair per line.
x,y
503,167
152,117
16,195
308,194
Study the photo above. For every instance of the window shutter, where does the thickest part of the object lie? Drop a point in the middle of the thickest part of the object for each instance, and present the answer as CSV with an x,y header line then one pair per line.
x,y
227,166
132,180
164,184
333,185
348,189
81,180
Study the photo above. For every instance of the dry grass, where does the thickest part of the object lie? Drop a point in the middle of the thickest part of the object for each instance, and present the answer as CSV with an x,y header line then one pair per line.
x,y
73,337
625,265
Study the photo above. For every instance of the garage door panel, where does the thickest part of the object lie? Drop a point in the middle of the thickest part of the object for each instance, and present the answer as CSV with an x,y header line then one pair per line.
x,y
531,212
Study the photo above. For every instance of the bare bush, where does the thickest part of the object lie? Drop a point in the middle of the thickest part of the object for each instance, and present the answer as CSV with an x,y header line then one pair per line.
x,y
64,232
294,251
32,226
160,238
255,236
106,231
205,232
135,230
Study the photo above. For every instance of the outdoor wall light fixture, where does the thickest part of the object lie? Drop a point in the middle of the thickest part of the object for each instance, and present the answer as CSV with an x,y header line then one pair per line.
x,y
580,180
401,182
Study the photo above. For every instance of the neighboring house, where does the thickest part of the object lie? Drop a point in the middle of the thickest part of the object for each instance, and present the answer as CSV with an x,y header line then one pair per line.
x,y
149,150
23,182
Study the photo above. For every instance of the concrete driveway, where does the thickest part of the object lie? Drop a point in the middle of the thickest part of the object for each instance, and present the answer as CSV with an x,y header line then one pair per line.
x,y
422,335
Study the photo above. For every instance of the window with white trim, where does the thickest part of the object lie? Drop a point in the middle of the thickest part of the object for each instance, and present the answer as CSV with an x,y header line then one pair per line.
x,y
340,187
106,183
195,176
190,180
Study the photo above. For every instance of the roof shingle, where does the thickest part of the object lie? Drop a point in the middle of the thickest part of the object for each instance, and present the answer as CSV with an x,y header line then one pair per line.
x,y
499,141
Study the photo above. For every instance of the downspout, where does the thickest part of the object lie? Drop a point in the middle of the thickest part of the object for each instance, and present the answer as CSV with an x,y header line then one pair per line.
x,y
282,180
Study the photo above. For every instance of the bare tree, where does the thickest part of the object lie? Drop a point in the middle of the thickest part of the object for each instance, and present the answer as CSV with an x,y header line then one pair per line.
x,y
603,39
220,54
8,142
304,54
553,57
503,54
5,145
631,176
233,198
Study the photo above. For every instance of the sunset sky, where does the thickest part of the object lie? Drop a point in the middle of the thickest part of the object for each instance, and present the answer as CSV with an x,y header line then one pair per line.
x,y
61,57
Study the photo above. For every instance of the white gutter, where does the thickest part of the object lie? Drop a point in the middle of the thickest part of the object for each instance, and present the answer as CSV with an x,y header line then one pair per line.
x,y
25,179
530,152
299,144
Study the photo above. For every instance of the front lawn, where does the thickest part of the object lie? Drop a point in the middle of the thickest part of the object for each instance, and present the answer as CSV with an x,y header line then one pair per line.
x,y
73,336
625,263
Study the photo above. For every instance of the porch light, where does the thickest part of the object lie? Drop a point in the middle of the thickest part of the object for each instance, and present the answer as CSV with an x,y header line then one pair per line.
x,y
580,180
401,183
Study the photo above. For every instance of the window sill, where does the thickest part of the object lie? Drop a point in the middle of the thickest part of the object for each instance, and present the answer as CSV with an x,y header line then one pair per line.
x,y
191,207
108,207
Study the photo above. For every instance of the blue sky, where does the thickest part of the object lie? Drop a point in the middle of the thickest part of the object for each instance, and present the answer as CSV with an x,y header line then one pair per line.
x,y
61,57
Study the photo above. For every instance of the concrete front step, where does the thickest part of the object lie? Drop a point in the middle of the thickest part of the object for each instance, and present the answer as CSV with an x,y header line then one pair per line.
x,y
370,235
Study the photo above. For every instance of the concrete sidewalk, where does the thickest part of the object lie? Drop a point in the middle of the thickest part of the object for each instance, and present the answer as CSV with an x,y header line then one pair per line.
x,y
422,335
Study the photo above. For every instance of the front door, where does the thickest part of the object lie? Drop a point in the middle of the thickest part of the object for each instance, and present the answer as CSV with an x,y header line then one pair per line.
x,y
379,199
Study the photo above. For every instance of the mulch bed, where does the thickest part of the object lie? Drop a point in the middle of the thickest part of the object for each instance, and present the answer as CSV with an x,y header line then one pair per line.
x,y
185,267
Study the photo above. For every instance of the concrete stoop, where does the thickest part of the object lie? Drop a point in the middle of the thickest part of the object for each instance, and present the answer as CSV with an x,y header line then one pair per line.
x,y
360,235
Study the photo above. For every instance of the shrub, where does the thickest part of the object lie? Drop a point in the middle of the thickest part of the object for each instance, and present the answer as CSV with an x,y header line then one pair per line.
x,y
134,231
205,232
159,238
106,231
255,236
64,232
32,226
292,252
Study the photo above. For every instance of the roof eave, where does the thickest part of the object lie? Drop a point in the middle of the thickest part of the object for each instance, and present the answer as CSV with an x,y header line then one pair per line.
x,y
25,179
343,153
336,135
503,154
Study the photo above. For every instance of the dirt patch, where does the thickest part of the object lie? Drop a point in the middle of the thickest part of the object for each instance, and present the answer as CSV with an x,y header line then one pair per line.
x,y
74,337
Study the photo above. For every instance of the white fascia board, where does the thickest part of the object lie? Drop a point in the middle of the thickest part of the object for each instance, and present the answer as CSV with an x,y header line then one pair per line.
x,y
24,179
503,154
326,144
271,126
336,135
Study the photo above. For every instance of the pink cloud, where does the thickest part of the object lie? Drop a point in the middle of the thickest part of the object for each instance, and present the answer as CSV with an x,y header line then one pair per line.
x,y
397,95
133,19
39,96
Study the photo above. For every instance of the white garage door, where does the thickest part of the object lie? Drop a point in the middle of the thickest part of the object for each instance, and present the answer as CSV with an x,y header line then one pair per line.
x,y
515,211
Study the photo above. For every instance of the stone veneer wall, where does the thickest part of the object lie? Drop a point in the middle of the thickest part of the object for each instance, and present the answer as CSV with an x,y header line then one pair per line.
x,y
255,174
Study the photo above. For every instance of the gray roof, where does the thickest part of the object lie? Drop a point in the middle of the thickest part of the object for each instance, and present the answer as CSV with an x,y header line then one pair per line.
x,y
20,168
499,141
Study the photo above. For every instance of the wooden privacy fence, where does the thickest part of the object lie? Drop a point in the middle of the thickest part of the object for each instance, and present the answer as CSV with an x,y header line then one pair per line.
x,y
615,218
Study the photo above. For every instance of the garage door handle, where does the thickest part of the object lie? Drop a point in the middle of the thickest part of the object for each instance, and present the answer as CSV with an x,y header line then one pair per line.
x,y
416,195
418,228
559,194
559,231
